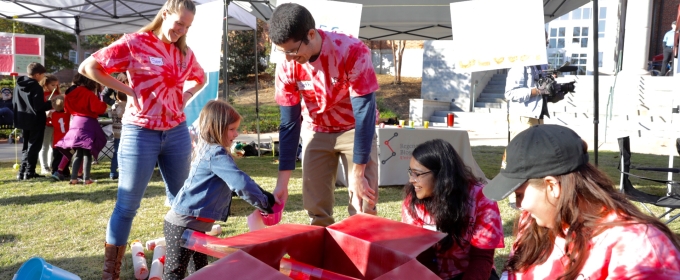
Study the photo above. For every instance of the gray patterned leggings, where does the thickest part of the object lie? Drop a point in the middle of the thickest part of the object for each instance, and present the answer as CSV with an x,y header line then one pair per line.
x,y
177,257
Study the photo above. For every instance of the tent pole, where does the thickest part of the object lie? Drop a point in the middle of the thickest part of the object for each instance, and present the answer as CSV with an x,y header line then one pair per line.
x,y
257,99
596,77
77,30
225,52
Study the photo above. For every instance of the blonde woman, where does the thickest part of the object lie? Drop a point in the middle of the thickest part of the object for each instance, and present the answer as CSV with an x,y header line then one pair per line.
x,y
158,62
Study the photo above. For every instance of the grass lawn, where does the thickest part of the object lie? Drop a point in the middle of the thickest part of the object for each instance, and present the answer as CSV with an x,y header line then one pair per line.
x,y
66,224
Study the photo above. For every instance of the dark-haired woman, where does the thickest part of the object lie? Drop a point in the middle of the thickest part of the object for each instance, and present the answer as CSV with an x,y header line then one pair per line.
x,y
443,195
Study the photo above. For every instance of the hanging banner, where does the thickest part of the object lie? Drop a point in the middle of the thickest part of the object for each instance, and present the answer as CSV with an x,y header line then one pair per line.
x,y
19,50
495,37
330,16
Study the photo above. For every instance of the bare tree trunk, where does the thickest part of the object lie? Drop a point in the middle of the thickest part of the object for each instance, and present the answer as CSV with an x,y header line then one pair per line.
x,y
398,47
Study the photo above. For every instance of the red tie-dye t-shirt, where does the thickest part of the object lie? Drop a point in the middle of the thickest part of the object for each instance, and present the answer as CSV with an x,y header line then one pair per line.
x,y
485,232
633,251
343,69
156,72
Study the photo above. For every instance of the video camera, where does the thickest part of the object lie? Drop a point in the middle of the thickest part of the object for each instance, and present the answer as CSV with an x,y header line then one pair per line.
x,y
556,91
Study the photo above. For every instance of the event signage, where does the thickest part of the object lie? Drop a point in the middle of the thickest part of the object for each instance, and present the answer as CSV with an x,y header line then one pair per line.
x,y
491,34
19,50
330,16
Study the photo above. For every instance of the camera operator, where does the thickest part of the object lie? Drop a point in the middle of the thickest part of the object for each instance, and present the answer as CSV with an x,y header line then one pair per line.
x,y
527,103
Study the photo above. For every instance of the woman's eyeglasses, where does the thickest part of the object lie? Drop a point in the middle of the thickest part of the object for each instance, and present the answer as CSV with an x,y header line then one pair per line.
x,y
289,52
415,175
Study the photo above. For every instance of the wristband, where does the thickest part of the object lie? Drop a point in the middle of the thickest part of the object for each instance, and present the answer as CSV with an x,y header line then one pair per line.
x,y
189,93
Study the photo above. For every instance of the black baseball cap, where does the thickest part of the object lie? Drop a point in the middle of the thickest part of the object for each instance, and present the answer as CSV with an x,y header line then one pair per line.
x,y
539,151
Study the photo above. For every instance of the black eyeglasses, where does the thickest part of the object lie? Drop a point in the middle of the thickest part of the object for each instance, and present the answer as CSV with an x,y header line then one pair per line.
x,y
289,52
413,174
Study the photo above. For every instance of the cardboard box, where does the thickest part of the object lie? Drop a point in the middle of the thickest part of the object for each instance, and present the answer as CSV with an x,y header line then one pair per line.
x,y
361,246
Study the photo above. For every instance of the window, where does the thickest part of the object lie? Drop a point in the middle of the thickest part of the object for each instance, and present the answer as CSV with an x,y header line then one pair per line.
x,y
73,56
600,28
555,60
603,13
599,59
580,60
86,55
586,13
565,17
556,38
580,37
576,14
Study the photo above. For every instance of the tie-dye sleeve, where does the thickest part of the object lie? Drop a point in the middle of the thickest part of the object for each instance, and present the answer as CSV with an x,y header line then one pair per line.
x,y
362,78
487,232
640,252
116,57
286,91
196,72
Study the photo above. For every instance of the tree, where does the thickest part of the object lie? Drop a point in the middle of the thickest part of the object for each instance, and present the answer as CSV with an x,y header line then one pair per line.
x,y
57,43
99,41
398,47
241,55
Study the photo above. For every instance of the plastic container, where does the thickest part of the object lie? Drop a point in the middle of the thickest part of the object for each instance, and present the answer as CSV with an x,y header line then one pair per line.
x,y
215,230
157,268
449,119
38,269
206,244
151,244
139,260
273,218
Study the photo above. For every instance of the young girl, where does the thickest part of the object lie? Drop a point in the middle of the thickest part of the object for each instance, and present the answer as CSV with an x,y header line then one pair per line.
x,y
116,114
60,123
206,194
51,88
575,224
85,136
443,195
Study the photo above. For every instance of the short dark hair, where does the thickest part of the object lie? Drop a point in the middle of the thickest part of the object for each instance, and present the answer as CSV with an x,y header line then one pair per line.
x,y
35,68
290,21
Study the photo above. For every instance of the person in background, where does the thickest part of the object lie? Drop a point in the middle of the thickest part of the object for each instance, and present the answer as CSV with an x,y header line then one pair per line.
x,y
60,124
84,136
51,88
116,114
206,194
328,79
109,95
158,63
574,224
29,107
443,195
6,114
668,41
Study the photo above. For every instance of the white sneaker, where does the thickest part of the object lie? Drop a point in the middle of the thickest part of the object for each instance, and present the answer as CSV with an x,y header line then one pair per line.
x,y
45,172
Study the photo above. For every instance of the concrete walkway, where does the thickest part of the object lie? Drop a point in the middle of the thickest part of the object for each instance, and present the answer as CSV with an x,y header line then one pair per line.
x,y
7,151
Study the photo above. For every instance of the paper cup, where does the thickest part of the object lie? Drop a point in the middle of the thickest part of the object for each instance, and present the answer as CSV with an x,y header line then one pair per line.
x,y
401,123
426,124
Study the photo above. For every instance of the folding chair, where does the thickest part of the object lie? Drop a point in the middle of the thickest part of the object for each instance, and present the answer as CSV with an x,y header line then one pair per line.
x,y
670,202
107,151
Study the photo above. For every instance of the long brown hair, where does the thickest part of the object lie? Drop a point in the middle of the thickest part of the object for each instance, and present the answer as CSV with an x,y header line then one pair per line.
x,y
213,121
173,7
48,79
587,196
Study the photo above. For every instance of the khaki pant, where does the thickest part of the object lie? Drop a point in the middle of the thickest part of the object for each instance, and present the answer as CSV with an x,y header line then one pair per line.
x,y
517,125
320,158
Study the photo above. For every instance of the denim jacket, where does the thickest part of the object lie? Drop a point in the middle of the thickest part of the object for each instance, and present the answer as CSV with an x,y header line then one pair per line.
x,y
213,177
521,79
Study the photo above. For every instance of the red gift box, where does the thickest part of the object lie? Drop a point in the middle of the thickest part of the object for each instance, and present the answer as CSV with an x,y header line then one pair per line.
x,y
361,246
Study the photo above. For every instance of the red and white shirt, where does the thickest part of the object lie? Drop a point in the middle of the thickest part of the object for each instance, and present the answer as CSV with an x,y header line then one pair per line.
x,y
156,72
60,122
633,251
485,232
343,69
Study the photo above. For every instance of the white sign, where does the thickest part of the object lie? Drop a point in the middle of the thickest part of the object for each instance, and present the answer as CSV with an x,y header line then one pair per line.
x,y
330,16
496,34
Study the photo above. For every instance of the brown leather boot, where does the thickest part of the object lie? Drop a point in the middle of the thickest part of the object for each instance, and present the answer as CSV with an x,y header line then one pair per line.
x,y
113,256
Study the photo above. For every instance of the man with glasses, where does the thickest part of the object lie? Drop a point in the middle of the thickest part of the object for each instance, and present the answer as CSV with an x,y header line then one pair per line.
x,y
325,88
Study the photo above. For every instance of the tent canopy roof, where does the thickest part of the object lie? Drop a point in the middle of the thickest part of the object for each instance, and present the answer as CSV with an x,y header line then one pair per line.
x,y
89,17
380,19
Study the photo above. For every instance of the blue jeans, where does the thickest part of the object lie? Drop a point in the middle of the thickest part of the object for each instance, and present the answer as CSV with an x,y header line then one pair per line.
x,y
114,159
140,149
